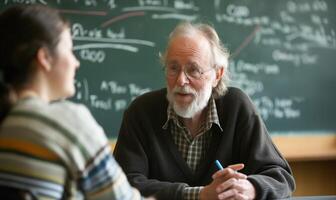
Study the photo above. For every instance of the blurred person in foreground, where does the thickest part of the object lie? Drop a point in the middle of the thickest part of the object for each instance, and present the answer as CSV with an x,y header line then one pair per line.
x,y
169,139
49,148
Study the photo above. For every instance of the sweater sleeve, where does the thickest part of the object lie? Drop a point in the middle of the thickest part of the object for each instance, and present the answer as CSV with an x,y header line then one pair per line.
x,y
99,175
131,155
104,179
267,170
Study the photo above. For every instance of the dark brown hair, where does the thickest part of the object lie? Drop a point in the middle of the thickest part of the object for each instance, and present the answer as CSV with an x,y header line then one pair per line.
x,y
24,30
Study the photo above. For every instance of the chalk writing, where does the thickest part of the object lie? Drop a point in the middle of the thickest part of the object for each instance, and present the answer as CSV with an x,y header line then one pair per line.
x,y
107,96
97,38
25,1
278,107
282,53
92,55
255,68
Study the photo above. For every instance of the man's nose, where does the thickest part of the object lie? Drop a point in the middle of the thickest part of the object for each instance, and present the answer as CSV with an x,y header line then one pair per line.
x,y
182,78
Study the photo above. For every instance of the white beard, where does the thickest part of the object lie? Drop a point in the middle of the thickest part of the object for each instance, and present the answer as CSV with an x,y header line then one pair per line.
x,y
199,102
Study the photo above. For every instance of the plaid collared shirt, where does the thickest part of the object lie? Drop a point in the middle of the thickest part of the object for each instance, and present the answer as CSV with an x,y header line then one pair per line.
x,y
192,149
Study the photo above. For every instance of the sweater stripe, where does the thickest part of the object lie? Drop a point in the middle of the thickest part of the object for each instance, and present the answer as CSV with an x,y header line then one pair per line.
x,y
28,183
30,167
28,148
52,124
30,130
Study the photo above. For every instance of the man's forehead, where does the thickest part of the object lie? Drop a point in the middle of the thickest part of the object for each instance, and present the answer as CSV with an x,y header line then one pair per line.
x,y
194,40
188,48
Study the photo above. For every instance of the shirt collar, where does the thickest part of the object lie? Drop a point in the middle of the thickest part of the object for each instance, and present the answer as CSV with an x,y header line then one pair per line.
x,y
212,116
171,116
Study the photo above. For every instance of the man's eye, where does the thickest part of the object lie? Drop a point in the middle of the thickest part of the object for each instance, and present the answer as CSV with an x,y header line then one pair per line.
x,y
193,71
173,68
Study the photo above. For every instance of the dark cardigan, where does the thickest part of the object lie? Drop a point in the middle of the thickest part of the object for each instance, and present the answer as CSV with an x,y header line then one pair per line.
x,y
153,164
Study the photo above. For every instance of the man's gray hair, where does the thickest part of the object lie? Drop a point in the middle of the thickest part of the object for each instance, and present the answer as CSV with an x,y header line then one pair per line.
x,y
220,55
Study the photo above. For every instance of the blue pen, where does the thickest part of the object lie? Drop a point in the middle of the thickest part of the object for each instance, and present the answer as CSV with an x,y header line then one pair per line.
x,y
219,166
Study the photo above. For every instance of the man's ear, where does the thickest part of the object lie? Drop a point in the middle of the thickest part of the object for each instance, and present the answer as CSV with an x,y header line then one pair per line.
x,y
219,74
44,59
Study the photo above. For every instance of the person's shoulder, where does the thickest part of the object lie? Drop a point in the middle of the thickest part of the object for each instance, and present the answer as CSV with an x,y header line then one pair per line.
x,y
77,118
62,112
44,108
235,94
76,112
68,121
235,98
69,107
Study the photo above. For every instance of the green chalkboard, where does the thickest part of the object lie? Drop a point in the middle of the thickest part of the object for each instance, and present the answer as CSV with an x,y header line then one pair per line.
x,y
283,54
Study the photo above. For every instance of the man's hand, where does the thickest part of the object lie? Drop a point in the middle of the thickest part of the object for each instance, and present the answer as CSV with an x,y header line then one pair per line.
x,y
240,189
216,189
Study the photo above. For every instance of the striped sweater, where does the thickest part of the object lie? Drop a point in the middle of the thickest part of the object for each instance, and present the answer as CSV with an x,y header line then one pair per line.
x,y
58,151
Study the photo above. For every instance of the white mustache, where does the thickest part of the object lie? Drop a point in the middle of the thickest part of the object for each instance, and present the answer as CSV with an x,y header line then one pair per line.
x,y
185,90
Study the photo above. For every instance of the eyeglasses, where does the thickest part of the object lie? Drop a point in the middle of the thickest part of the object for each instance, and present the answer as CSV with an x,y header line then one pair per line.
x,y
191,71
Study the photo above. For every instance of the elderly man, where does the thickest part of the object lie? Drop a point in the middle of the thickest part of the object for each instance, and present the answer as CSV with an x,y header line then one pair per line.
x,y
169,139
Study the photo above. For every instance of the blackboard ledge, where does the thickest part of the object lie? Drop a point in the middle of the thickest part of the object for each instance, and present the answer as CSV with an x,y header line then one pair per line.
x,y
307,147
299,147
